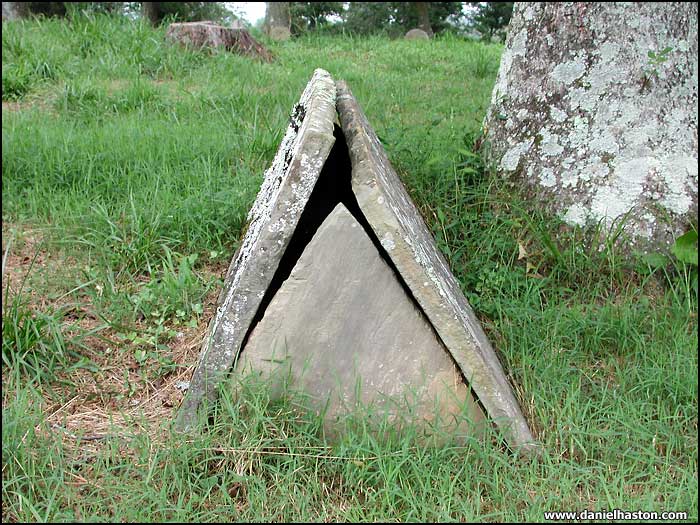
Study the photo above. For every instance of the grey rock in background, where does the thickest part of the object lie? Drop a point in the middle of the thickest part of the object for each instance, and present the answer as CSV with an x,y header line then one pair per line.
x,y
417,34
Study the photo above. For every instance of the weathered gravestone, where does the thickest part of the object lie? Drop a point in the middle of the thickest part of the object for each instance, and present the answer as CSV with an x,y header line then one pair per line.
x,y
343,324
339,289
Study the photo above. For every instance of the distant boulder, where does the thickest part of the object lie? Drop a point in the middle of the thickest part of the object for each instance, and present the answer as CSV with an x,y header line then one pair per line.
x,y
209,34
417,34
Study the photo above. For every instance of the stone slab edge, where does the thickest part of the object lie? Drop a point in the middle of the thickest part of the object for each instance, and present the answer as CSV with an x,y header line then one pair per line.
x,y
408,242
272,220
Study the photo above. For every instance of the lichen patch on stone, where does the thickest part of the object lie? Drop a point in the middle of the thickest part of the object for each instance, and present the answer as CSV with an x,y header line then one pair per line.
x,y
609,91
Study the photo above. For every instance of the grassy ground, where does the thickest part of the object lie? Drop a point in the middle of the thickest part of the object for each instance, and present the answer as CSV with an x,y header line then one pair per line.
x,y
128,169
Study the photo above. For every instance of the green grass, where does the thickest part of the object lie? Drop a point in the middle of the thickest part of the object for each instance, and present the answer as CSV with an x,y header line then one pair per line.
x,y
137,162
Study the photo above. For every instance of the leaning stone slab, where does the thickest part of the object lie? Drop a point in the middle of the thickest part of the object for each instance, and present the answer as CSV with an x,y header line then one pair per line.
x,y
271,222
408,242
342,329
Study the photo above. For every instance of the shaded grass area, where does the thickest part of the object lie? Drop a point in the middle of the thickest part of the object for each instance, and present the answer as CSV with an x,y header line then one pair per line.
x,y
264,461
135,163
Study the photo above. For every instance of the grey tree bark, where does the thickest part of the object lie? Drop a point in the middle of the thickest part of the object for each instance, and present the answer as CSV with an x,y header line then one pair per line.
x,y
278,20
151,11
595,108
423,10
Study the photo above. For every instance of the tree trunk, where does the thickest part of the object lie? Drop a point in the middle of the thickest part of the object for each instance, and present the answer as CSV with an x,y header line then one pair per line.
x,y
278,21
15,10
151,11
423,10
595,109
58,9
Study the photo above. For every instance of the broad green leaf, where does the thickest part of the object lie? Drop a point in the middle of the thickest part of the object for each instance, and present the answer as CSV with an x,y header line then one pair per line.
x,y
686,248
655,260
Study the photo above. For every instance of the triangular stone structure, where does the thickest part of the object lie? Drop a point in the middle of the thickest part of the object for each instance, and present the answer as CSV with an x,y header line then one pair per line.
x,y
339,287
342,326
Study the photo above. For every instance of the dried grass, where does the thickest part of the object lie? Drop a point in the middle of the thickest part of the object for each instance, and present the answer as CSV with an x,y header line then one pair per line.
x,y
118,398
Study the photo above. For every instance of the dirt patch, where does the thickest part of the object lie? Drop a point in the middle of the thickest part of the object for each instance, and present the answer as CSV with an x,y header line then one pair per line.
x,y
116,84
116,392
24,251
42,100
168,88
11,106
119,396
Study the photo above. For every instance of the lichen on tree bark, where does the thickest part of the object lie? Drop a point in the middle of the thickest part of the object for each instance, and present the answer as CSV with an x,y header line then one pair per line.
x,y
595,109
